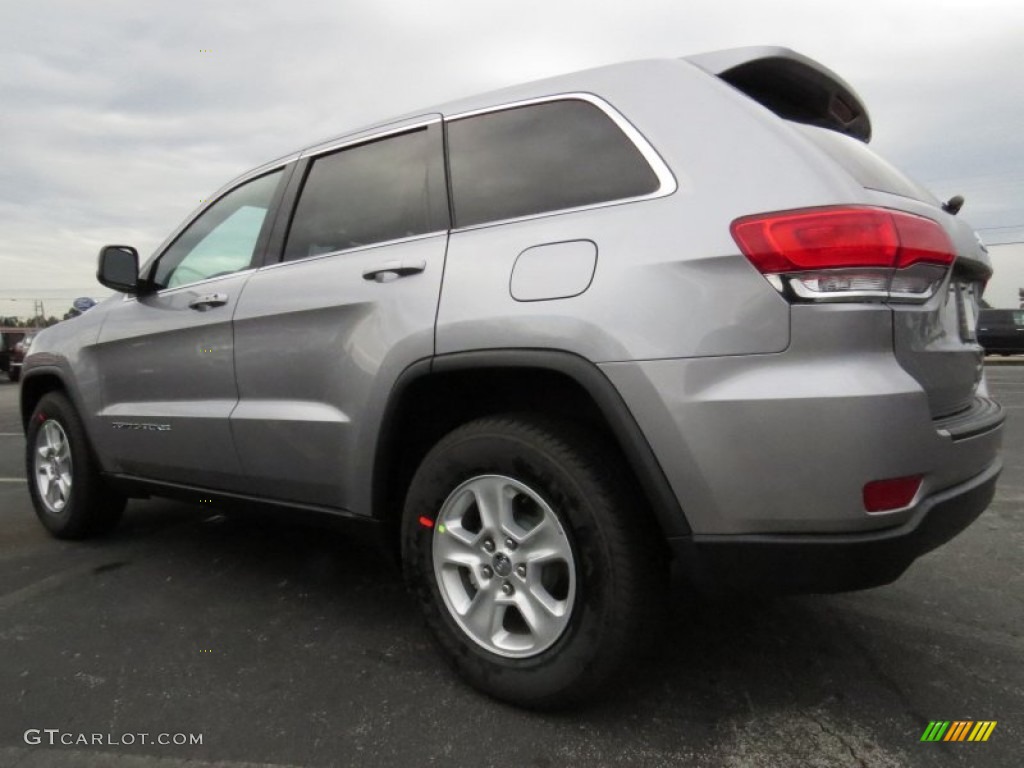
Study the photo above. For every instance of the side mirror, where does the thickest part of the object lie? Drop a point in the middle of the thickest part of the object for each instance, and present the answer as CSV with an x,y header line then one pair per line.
x,y
119,268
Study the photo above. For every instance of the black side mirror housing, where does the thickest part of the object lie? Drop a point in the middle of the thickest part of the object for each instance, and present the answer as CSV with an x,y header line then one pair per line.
x,y
119,268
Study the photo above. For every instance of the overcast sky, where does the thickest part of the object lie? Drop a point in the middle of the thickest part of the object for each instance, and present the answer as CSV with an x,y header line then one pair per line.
x,y
118,116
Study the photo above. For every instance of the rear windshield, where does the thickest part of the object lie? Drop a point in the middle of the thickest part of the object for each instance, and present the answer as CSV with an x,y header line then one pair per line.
x,y
870,170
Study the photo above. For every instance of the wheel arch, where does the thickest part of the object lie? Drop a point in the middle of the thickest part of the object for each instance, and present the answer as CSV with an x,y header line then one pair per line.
x,y
432,397
35,386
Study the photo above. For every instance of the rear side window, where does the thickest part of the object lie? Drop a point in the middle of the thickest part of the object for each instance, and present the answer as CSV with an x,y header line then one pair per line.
x,y
539,158
382,190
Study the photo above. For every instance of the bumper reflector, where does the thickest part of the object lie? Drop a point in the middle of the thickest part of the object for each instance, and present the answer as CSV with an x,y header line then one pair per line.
x,y
895,493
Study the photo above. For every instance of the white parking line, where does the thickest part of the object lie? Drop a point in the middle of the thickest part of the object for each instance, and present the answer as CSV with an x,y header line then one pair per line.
x,y
12,479
11,434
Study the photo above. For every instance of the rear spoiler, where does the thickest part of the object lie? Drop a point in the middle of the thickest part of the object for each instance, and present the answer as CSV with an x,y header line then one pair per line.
x,y
792,86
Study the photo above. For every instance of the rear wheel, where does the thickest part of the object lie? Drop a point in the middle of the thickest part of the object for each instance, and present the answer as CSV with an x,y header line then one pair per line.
x,y
534,563
68,493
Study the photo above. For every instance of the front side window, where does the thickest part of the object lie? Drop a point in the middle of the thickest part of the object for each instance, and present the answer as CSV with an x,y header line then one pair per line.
x,y
223,239
539,158
386,189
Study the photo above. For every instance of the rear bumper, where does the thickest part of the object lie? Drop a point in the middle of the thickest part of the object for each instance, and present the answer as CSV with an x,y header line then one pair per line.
x,y
804,563
785,443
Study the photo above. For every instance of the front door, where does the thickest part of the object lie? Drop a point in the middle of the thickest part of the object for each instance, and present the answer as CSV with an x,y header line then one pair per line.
x,y
166,358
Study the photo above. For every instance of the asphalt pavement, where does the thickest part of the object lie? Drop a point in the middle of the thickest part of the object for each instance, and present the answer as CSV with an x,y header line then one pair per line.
x,y
284,645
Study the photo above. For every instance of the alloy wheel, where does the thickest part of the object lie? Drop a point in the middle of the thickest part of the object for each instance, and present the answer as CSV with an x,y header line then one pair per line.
x,y
53,466
504,566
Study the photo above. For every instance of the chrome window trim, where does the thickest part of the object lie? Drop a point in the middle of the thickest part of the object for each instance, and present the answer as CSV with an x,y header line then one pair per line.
x,y
176,288
365,138
355,249
274,166
667,183
263,170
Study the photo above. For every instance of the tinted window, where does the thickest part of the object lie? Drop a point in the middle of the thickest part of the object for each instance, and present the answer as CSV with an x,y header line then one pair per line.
x,y
384,190
543,157
222,240
1008,318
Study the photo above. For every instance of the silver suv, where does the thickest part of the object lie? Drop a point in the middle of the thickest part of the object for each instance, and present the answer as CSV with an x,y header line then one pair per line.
x,y
551,341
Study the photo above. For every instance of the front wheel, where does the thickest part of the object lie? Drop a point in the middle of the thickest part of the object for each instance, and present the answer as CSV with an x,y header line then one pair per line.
x,y
533,561
68,493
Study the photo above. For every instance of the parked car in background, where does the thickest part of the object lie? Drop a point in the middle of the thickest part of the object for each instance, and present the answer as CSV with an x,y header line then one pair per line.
x,y
17,357
1001,331
7,343
550,340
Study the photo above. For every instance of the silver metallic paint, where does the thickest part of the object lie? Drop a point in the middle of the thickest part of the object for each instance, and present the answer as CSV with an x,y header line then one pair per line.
x,y
764,417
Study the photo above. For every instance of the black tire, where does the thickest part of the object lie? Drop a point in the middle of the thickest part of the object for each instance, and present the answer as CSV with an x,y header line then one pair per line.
x,y
14,374
89,507
620,574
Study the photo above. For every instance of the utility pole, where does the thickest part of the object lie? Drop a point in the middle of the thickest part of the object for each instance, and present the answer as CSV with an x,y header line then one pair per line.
x,y
40,313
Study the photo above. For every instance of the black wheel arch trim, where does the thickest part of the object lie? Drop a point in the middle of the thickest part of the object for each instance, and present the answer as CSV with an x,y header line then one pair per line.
x,y
639,455
51,371
66,378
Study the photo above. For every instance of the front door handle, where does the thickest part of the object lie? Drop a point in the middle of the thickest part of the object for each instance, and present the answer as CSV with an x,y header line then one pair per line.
x,y
394,270
208,301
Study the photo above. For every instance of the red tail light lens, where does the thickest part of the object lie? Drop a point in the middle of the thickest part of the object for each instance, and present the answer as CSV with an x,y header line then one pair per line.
x,y
887,495
823,239
922,241
867,244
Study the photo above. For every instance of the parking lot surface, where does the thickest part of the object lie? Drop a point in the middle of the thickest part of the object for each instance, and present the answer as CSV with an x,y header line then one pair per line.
x,y
288,645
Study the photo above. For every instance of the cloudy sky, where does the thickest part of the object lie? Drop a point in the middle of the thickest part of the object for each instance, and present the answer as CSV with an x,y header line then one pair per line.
x,y
118,116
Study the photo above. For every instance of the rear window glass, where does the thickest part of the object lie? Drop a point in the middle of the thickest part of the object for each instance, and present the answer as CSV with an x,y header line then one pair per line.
x,y
1008,317
539,158
867,167
386,189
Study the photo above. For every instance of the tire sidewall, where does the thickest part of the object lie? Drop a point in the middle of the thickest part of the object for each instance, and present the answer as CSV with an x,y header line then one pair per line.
x,y
568,494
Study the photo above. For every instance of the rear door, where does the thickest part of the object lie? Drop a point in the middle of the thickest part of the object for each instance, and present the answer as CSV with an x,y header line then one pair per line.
x,y
166,358
322,334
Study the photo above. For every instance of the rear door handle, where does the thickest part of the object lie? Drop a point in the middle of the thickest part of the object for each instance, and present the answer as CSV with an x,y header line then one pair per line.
x,y
394,270
208,301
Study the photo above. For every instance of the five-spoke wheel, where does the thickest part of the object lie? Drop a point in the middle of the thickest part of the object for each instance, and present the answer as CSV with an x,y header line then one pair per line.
x,y
504,565
533,562
53,466
69,494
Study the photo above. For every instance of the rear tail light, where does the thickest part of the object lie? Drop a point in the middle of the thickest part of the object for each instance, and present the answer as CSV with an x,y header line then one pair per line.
x,y
888,495
847,253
